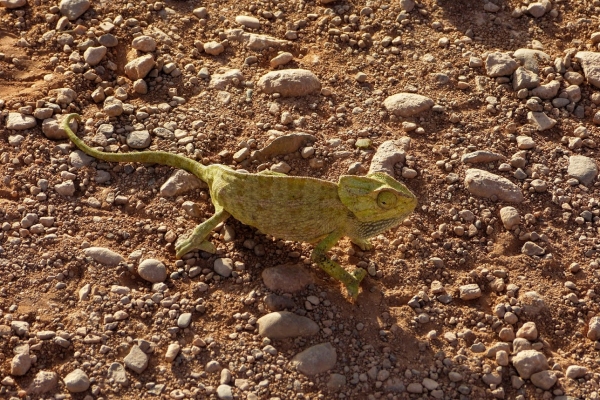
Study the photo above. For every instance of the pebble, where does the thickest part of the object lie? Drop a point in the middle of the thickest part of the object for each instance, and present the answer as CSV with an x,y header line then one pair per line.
x,y
583,168
10,4
500,64
20,364
544,379
229,77
590,62
510,217
104,256
180,182
290,278
93,55
285,324
576,371
172,352
224,392
540,120
281,59
53,129
44,381
139,67
414,387
524,79
77,381
481,156
184,320
275,302
212,367
532,249
594,328
136,360
138,139
536,10
247,21
547,91
289,82
388,154
485,184
66,188
152,270
73,9
20,122
528,331
525,142
144,43
223,266
528,362
285,144
213,48
470,292
316,359
108,40
407,104
117,373
112,107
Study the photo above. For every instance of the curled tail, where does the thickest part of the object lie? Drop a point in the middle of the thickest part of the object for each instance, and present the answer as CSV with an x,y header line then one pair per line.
x,y
155,157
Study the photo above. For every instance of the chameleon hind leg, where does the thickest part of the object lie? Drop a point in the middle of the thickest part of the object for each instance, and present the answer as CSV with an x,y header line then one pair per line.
x,y
197,240
319,256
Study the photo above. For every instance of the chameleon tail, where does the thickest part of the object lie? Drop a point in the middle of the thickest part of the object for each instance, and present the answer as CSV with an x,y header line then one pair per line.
x,y
153,157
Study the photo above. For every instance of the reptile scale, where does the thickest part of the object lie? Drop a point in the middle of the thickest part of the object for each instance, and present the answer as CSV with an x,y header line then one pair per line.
x,y
287,207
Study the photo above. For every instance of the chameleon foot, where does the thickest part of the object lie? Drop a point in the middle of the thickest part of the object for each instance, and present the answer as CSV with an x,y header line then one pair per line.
x,y
364,244
188,245
353,286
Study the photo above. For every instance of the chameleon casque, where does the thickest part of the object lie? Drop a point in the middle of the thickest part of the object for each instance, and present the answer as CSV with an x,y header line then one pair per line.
x,y
293,208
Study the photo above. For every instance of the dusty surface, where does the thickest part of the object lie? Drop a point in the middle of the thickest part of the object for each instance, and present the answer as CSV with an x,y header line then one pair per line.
x,y
389,344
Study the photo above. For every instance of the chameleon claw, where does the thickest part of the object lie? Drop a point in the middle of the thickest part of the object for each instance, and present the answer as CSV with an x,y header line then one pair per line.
x,y
364,245
353,287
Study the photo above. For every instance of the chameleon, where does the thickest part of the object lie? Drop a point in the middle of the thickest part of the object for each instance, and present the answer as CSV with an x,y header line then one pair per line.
x,y
302,209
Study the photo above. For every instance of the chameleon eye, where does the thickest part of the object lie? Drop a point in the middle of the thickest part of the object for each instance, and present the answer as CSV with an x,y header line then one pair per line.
x,y
386,200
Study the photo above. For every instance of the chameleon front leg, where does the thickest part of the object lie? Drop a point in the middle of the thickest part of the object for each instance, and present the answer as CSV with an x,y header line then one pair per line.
x,y
319,256
197,240
364,244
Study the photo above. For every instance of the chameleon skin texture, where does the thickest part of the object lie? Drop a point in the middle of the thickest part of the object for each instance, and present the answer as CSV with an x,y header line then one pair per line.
x,y
287,207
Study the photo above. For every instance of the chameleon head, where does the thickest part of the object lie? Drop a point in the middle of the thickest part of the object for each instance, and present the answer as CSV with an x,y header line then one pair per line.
x,y
376,197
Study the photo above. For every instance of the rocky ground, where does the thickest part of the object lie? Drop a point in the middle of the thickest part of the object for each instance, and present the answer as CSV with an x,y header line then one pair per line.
x,y
486,110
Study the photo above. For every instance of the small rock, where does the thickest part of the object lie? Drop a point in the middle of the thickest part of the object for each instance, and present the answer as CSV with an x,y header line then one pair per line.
x,y
247,21
44,381
289,82
11,4
138,68
414,387
481,156
284,324
407,104
112,107
532,249
93,55
281,59
316,359
590,62
540,120
500,64
286,278
285,144
224,392
229,77
180,182
470,292
544,379
524,79
510,217
172,352
73,9
184,320
117,373
136,360
66,188
528,362
576,371
547,91
528,331
213,48
138,139
152,270
223,266
485,184
104,256
525,142
20,364
144,43
536,10
53,127
77,381
583,169
594,328
20,122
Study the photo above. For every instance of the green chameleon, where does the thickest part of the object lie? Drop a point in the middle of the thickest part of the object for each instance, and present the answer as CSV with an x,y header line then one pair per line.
x,y
287,207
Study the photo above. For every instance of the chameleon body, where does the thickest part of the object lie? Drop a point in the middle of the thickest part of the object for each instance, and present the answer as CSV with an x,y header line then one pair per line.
x,y
287,207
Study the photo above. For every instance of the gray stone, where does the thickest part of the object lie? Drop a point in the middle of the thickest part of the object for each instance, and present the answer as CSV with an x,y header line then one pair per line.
x,y
10,4
224,392
576,371
336,382
66,188
152,270
547,91
20,122
388,154
524,79
113,107
172,352
53,127
510,217
44,381
247,21
73,9
594,328
544,379
485,184
79,159
289,82
530,58
590,62
136,360
284,324
184,320
540,120
414,387
77,381
108,40
481,156
144,43
583,168
117,373
223,266
213,48
93,55
316,359
221,81
180,182
470,292
407,104
500,64
20,364
536,10
139,67
287,278
528,362
285,144
532,249
21,328
138,139
104,256
528,331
